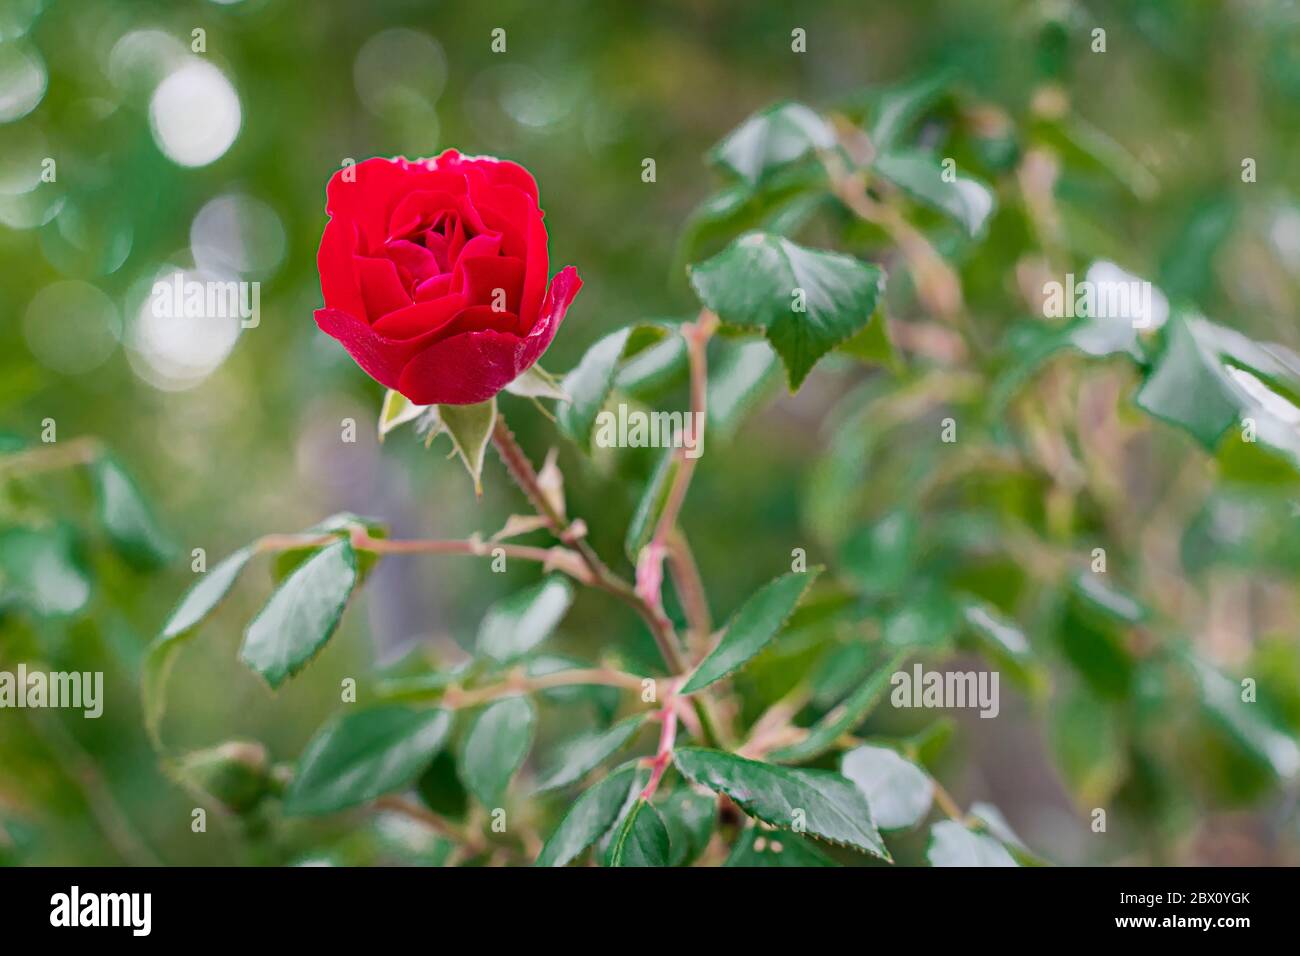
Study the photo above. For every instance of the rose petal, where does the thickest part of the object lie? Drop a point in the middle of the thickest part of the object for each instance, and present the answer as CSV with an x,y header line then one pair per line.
x,y
504,209
414,262
481,276
381,357
338,278
421,318
418,211
439,285
381,286
473,366
366,193
481,318
535,267
564,289
499,170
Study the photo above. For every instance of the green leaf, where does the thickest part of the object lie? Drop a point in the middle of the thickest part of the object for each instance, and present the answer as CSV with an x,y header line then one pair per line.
x,y
651,504
967,201
771,139
994,631
582,754
654,370
756,847
591,816
951,844
642,839
340,524
819,802
842,718
358,757
515,625
301,615
42,570
440,788
1187,264
840,670
1209,379
751,628
1088,746
536,382
1109,600
898,107
689,816
873,346
738,381
590,383
805,300
127,518
784,201
495,747
397,410
927,621
879,557
1094,642
898,792
1222,699
1084,147
470,428
990,820
204,595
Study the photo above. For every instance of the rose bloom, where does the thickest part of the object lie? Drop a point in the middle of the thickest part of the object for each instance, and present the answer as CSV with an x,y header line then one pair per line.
x,y
434,275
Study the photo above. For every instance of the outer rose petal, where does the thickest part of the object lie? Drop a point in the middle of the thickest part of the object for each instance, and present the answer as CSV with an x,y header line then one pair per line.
x,y
381,358
474,366
338,278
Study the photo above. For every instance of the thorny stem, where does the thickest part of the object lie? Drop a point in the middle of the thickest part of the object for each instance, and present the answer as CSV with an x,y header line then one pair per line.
x,y
645,602
521,470
454,698
667,740
559,558
649,571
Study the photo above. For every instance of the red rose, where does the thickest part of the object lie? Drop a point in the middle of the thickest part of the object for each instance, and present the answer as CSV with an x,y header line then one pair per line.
x,y
434,275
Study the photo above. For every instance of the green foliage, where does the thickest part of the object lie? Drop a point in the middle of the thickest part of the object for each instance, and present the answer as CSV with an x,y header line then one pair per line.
x,y
818,802
364,755
590,817
752,627
804,300
641,840
514,626
494,747
301,614
1101,512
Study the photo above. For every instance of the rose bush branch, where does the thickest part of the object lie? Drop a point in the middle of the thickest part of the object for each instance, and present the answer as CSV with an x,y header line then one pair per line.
x,y
556,558
525,476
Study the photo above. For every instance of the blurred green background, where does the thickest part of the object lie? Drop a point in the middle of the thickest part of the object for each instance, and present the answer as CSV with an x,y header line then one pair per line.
x,y
168,159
